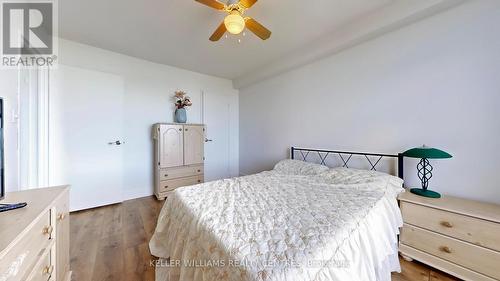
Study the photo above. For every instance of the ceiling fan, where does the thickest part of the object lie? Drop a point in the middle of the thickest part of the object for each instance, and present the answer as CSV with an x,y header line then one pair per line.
x,y
234,22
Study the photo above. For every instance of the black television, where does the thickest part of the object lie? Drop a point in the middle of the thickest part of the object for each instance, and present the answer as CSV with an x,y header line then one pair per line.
x,y
2,168
4,207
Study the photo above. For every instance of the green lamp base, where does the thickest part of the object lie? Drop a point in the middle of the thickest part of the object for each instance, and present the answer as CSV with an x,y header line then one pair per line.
x,y
425,193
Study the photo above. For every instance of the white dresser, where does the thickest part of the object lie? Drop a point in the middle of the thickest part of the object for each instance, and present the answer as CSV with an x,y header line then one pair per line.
x,y
179,156
455,235
34,240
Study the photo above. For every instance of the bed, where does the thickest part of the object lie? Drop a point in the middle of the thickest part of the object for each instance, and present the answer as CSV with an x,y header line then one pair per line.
x,y
299,221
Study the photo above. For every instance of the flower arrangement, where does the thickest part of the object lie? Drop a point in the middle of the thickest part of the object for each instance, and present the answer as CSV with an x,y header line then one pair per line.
x,y
182,100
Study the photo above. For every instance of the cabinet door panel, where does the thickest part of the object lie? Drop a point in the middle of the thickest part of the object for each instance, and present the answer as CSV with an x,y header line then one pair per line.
x,y
171,146
194,142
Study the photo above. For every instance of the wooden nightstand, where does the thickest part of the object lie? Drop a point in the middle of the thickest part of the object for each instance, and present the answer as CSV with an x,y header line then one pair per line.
x,y
458,236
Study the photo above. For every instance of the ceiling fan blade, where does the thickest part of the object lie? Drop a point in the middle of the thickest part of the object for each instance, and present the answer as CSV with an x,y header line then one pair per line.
x,y
212,3
247,3
218,32
257,28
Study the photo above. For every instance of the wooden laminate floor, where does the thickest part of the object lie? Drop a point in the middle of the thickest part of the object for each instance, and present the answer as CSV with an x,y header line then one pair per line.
x,y
111,243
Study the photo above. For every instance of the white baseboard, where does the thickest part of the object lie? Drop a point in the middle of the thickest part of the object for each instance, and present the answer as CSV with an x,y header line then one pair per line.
x,y
136,193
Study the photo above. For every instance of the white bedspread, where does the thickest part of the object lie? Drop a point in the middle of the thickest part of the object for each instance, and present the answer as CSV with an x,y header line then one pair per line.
x,y
340,225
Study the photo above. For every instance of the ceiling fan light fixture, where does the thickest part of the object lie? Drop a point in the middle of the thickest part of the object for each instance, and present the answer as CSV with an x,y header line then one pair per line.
x,y
234,23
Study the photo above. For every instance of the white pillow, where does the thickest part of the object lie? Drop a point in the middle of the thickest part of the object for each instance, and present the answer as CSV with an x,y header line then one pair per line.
x,y
296,167
364,178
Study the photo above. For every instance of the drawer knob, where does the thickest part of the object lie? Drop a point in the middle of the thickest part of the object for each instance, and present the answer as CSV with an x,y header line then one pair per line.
x,y
199,171
60,217
48,270
199,180
445,249
47,230
166,175
446,224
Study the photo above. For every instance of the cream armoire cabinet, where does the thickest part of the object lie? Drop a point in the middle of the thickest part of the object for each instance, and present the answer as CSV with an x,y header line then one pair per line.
x,y
179,156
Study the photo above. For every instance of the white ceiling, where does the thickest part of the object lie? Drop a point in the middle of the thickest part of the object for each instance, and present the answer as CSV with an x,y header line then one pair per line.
x,y
176,32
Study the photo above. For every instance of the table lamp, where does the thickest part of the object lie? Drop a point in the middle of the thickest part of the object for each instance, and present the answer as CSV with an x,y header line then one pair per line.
x,y
424,168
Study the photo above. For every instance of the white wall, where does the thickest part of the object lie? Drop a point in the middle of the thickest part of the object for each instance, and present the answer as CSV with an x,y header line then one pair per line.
x,y
436,82
147,100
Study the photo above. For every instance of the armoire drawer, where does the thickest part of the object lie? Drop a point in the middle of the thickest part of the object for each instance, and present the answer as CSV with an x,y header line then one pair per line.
x,y
476,231
169,185
470,256
180,172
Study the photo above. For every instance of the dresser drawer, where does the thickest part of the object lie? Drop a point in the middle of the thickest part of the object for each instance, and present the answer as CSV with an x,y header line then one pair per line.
x,y
473,230
180,172
62,237
169,185
470,256
19,260
44,269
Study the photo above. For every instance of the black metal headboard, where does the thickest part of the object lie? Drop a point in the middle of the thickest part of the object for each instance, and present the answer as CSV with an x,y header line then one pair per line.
x,y
345,156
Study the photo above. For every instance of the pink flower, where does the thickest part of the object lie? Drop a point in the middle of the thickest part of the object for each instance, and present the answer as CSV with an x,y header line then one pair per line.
x,y
181,99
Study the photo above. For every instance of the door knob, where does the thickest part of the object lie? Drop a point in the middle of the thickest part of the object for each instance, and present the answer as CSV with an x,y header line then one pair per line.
x,y
207,140
116,143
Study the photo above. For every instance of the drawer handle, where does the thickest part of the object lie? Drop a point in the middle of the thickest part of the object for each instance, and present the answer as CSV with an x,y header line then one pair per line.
x,y
166,186
166,175
47,230
60,217
48,270
199,171
199,180
445,249
446,224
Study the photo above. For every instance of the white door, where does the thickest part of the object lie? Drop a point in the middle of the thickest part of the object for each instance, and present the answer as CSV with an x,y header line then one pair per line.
x,y
194,142
85,124
217,148
171,144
